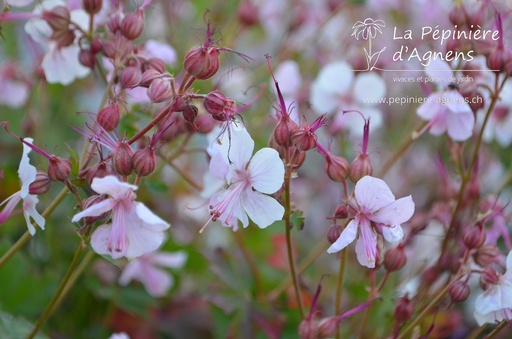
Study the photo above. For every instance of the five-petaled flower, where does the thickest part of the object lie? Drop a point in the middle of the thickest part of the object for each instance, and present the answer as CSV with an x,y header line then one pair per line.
x,y
375,211
367,29
27,174
446,110
495,304
134,229
249,181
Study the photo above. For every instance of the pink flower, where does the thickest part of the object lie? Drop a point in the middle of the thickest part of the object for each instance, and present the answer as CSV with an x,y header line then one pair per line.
x,y
446,110
27,174
134,229
145,269
376,210
495,304
249,180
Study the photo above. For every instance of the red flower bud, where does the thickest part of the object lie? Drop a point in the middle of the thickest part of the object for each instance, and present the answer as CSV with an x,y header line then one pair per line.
x,y
247,13
148,77
303,139
130,77
220,107
459,291
489,277
122,159
144,161
297,158
92,6
154,63
160,90
96,46
108,117
497,60
486,254
132,25
473,236
283,131
458,16
360,167
98,170
308,329
403,309
202,63
59,169
58,18
395,259
63,38
41,185
333,233
190,114
328,327
341,212
87,58
337,168
204,123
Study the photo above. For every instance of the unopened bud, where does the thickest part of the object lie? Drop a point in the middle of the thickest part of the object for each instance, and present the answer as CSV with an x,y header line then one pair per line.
x,y
489,277
148,77
308,329
132,25
395,259
360,167
473,237
122,159
497,60
341,212
59,169
93,200
99,170
87,58
202,63
92,6
58,18
108,49
247,13
204,123
303,139
328,327
333,233
219,106
486,254
190,114
458,16
108,117
63,38
130,77
144,161
459,291
403,309
154,63
96,46
297,158
41,185
160,90
283,132
337,168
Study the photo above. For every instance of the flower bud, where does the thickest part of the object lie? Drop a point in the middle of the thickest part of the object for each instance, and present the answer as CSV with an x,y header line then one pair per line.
x,y
92,6
99,170
283,131
341,212
160,90
58,18
486,254
144,161
130,77
403,309
303,139
395,259
59,169
458,16
459,291
93,200
360,167
327,327
108,49
63,38
308,329
497,60
122,159
148,77
202,63
220,107
41,185
337,168
87,58
297,158
489,277
108,117
473,236
154,63
114,21
132,25
190,114
333,233
247,13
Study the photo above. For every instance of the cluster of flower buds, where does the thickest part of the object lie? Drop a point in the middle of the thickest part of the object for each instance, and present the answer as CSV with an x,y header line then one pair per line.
x,y
59,19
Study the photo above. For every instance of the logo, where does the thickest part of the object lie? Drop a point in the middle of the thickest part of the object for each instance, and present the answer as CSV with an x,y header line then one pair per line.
x,y
367,30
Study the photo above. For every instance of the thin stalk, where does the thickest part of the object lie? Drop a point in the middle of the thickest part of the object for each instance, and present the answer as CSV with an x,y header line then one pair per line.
x,y
339,287
182,173
49,308
250,262
497,329
367,311
288,226
478,332
26,236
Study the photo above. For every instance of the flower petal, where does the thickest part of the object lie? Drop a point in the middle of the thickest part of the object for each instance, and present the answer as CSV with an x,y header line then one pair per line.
x,y
393,233
460,125
141,240
26,171
430,107
440,72
396,213
29,210
112,186
99,241
366,245
262,209
95,210
173,260
148,219
266,171
372,194
346,237
368,85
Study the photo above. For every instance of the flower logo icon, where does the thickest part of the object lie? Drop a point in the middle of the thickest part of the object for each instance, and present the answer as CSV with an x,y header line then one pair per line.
x,y
367,30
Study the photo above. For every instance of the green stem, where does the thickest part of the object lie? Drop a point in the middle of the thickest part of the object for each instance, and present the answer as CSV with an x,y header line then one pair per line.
x,y
339,287
288,227
497,329
250,262
26,236
59,294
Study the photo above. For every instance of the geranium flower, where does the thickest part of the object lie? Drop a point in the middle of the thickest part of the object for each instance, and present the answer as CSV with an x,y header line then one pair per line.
x,y
27,174
134,229
495,304
446,110
145,269
376,211
249,180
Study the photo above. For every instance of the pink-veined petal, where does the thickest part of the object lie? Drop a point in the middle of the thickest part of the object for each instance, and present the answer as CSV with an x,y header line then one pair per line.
x,y
112,186
99,242
372,194
438,125
346,237
266,171
393,233
29,210
172,260
61,65
456,102
148,219
361,255
262,209
26,171
366,245
489,301
141,240
11,203
238,151
460,125
395,213
95,210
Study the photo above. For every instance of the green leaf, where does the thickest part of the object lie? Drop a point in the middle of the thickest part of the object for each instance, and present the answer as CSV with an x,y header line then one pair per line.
x,y
297,220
